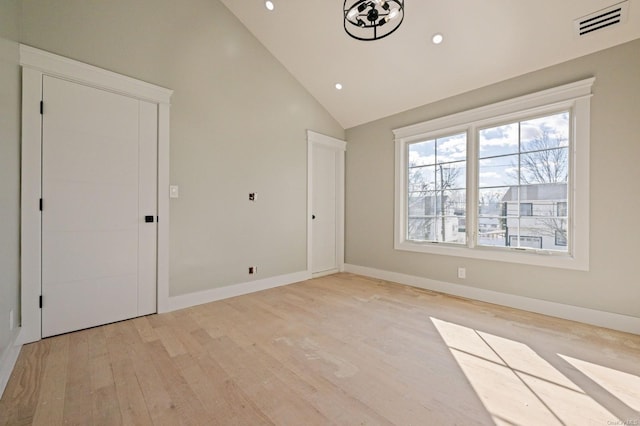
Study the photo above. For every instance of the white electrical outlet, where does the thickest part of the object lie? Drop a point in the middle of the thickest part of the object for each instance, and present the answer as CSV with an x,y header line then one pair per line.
x,y
462,273
174,191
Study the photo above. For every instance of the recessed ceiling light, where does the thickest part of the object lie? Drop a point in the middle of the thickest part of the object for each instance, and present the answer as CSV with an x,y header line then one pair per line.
x,y
437,38
269,5
338,86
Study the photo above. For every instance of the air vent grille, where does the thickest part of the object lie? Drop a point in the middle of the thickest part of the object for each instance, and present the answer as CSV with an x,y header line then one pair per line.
x,y
601,19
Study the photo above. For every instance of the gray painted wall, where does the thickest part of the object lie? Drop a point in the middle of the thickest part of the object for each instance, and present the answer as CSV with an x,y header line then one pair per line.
x,y
612,283
9,170
238,121
238,125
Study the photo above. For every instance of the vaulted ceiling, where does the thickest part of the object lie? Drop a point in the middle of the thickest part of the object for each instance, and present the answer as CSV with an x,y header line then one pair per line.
x,y
485,41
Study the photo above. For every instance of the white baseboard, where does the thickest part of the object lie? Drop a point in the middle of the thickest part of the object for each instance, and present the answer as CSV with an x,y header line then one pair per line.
x,y
8,360
610,320
201,297
325,273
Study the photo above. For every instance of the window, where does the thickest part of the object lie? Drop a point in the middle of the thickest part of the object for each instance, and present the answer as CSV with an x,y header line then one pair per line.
x,y
524,165
526,209
437,182
561,238
505,182
561,209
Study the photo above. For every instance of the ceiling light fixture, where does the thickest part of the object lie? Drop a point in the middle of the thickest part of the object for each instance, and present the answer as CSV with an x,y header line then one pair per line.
x,y
269,5
338,86
372,19
437,38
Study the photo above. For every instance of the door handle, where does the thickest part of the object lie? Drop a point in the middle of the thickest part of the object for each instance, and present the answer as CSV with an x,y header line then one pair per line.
x,y
313,216
148,219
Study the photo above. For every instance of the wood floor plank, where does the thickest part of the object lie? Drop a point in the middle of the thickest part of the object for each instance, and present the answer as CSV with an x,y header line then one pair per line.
x,y
325,396
231,404
170,341
129,393
183,326
341,349
19,402
159,403
78,403
50,405
186,404
144,329
99,365
270,394
106,407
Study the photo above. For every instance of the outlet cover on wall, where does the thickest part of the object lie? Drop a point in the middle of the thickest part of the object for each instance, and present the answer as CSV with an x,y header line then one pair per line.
x,y
462,273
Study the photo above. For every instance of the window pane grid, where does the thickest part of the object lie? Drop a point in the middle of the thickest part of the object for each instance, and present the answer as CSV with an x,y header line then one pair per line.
x,y
523,173
436,196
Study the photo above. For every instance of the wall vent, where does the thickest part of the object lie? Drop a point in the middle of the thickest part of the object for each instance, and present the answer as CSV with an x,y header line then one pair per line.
x,y
605,18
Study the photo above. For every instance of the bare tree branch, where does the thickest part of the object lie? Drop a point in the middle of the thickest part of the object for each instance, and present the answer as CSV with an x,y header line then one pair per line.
x,y
546,160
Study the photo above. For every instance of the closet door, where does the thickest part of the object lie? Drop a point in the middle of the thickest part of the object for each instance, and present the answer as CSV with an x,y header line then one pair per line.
x,y
324,209
99,174
326,203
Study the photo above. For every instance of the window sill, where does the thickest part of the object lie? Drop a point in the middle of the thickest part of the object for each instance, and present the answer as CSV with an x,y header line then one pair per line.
x,y
574,261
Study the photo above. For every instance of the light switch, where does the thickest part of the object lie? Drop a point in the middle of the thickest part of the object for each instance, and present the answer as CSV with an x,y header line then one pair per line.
x,y
174,192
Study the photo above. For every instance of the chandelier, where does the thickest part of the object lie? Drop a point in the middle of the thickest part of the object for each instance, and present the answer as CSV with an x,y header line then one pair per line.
x,y
372,19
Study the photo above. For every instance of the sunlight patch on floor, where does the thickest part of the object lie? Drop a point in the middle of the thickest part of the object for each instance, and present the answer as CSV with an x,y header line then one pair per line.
x,y
515,384
624,386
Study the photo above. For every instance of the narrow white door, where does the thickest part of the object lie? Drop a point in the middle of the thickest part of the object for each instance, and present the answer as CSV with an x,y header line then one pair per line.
x,y
99,174
324,209
326,203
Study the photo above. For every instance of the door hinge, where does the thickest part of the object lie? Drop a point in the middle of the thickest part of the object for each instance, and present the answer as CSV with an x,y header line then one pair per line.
x,y
40,204
40,301
41,107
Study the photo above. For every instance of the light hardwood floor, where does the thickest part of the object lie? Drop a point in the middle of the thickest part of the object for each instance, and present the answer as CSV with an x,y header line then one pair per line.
x,y
341,350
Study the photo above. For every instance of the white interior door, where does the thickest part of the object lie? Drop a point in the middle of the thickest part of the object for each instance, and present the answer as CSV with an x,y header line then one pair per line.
x,y
324,209
326,177
99,174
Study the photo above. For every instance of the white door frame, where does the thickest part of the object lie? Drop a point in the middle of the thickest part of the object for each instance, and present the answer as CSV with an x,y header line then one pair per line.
x,y
36,63
339,147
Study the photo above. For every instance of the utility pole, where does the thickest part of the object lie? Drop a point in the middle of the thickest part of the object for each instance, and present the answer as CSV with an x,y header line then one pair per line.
x,y
442,208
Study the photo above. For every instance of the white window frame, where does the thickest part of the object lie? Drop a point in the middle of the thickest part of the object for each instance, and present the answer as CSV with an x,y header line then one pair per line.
x,y
574,97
